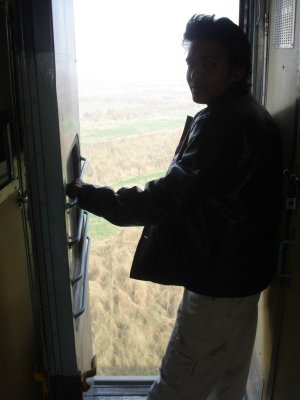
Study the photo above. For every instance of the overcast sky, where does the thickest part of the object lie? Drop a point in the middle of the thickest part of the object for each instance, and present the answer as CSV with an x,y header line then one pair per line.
x,y
126,40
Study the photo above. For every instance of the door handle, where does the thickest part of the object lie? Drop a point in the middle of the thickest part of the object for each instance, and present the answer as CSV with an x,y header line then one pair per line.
x,y
73,203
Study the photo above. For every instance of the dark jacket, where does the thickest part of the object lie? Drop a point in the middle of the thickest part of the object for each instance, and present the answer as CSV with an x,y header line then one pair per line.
x,y
211,221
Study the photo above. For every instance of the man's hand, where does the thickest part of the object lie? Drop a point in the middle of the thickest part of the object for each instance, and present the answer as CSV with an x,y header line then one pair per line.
x,y
73,188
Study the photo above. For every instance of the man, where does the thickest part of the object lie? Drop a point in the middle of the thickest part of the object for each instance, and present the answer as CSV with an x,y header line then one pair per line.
x,y
210,223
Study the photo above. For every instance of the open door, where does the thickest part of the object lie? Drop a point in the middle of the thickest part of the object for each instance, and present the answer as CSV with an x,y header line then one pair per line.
x,y
273,28
73,167
48,108
282,98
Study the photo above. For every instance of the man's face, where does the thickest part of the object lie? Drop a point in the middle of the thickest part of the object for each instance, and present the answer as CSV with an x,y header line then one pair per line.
x,y
208,71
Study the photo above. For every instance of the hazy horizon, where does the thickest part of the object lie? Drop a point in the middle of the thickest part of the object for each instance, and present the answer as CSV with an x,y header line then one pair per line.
x,y
125,41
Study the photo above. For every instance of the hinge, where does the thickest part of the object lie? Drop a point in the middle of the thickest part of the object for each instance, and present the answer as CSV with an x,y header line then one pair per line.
x,y
22,198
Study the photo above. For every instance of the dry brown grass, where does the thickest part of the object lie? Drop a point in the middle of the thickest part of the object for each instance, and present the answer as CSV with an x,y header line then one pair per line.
x,y
131,320
111,161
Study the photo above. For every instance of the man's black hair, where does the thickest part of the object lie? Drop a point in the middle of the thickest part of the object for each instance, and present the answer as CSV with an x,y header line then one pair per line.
x,y
227,34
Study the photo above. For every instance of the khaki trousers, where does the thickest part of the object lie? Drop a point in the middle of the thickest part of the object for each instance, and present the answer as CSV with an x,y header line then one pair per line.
x,y
209,353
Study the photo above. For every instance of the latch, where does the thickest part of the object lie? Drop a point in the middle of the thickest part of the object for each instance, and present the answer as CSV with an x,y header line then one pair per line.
x,y
294,180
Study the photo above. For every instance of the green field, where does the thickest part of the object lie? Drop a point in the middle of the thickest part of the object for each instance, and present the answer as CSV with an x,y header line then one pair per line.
x,y
126,129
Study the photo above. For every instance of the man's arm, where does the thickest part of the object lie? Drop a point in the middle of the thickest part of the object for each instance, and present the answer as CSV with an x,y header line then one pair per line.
x,y
207,164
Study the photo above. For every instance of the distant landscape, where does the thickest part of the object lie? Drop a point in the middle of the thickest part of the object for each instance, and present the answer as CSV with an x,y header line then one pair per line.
x,y
128,134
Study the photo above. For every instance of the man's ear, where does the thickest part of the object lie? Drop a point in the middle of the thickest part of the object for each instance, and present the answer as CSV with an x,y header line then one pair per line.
x,y
238,74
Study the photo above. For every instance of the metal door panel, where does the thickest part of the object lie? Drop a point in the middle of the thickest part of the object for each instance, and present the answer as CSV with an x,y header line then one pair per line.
x,y
275,77
67,98
281,101
283,98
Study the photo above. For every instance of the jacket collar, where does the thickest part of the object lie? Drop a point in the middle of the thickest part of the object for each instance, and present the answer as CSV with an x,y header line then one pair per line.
x,y
232,93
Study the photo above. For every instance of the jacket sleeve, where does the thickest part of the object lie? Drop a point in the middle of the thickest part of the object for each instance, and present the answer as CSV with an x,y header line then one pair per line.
x,y
207,164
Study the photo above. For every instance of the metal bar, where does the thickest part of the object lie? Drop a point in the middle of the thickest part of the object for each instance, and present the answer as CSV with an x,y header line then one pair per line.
x,y
83,167
76,239
84,285
265,54
84,236
121,380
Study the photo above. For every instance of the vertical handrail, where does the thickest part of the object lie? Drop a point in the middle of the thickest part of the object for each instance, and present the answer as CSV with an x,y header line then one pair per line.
x,y
83,250
77,314
80,237
74,240
83,167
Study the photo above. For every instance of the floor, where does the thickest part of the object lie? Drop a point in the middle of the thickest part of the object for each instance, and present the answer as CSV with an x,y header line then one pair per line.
x,y
121,388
